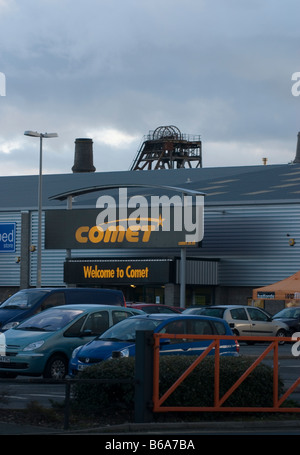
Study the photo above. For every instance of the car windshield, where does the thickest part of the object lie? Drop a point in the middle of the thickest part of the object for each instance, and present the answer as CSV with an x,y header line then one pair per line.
x,y
49,320
216,312
194,311
288,313
126,330
22,300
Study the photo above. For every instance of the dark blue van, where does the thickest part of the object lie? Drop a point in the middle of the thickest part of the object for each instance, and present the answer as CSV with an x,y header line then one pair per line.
x,y
28,302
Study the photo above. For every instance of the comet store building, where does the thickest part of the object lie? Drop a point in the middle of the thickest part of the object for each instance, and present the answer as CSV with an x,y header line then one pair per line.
x,y
141,278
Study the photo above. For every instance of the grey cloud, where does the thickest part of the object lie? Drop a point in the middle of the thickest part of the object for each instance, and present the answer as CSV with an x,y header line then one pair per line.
x,y
221,69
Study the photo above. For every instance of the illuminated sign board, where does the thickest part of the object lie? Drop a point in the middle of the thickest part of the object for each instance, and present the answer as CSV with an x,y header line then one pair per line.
x,y
167,227
118,272
7,237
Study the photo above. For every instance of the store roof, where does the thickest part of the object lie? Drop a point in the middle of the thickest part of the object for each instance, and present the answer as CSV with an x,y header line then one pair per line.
x,y
221,185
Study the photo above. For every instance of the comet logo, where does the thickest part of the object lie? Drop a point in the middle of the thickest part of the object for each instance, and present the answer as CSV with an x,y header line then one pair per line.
x,y
137,216
133,220
112,233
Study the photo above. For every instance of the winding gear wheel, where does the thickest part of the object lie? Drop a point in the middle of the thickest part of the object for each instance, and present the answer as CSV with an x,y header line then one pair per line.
x,y
167,148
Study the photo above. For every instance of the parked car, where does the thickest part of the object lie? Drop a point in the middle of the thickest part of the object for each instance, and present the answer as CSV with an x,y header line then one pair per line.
x,y
151,308
122,338
244,320
43,344
28,302
291,317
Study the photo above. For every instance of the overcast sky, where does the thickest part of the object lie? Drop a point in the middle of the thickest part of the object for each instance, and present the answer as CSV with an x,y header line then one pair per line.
x,y
112,70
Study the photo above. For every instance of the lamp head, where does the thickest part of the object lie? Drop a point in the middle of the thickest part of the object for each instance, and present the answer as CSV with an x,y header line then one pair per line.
x,y
32,133
36,134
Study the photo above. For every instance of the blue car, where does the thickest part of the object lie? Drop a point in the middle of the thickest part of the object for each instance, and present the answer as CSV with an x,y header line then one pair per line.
x,y
121,338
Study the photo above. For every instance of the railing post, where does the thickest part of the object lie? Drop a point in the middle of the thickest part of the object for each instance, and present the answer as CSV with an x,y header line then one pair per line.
x,y
275,375
67,405
217,375
143,376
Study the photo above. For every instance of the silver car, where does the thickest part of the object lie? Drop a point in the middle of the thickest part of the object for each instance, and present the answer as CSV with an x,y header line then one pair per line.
x,y
244,320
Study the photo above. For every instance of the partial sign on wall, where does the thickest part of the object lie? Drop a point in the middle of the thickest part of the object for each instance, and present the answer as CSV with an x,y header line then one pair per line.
x,y
7,237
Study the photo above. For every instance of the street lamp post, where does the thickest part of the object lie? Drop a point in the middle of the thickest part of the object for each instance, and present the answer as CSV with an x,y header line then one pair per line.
x,y
39,243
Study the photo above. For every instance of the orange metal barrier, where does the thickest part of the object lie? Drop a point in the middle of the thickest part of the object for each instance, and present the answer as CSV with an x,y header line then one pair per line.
x,y
219,401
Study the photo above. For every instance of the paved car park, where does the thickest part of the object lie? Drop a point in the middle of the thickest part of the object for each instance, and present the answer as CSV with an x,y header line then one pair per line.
x,y
21,391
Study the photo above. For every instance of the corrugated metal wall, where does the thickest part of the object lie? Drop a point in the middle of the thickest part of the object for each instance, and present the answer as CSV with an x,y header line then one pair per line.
x,y
52,260
253,243
199,272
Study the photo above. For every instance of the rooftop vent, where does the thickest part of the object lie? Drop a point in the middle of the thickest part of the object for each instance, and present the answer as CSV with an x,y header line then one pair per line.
x,y
297,157
83,159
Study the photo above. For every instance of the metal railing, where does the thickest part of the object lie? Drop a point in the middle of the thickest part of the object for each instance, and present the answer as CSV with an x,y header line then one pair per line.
x,y
218,405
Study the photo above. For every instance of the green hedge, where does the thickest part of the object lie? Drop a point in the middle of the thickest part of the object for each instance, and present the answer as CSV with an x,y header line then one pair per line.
x,y
93,397
196,390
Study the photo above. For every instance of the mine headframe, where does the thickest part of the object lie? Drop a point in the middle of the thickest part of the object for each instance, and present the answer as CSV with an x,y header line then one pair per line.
x,y
167,148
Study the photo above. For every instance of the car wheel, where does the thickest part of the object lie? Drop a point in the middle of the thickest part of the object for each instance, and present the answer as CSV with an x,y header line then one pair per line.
x,y
281,333
56,367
